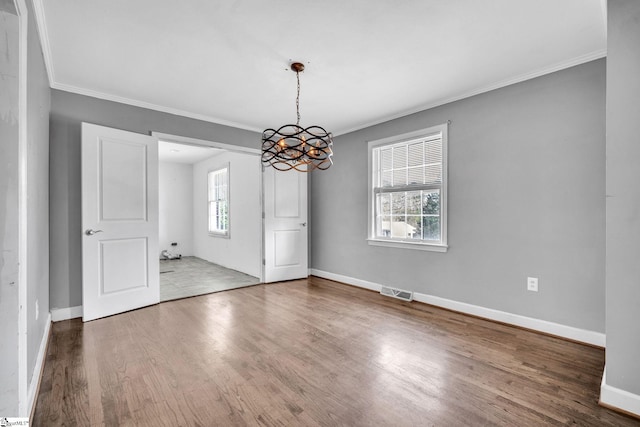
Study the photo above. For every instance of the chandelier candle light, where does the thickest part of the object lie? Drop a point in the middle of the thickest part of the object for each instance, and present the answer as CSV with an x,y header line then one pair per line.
x,y
295,147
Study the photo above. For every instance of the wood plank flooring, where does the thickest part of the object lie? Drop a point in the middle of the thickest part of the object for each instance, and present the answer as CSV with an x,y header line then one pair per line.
x,y
191,276
314,353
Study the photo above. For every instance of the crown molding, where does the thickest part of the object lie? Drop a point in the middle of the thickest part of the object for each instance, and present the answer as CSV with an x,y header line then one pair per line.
x,y
500,84
46,49
43,33
151,106
504,83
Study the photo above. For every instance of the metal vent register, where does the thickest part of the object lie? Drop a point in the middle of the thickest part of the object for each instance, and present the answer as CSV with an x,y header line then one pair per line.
x,y
397,293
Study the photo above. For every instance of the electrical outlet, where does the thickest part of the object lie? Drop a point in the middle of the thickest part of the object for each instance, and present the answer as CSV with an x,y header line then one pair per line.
x,y
532,284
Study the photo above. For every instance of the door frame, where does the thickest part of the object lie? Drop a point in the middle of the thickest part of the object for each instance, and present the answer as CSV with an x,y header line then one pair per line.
x,y
228,147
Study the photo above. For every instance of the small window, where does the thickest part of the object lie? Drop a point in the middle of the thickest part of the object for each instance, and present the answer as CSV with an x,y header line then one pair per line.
x,y
408,190
218,188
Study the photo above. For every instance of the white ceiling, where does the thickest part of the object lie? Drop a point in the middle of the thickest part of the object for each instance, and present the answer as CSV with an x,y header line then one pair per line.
x,y
367,60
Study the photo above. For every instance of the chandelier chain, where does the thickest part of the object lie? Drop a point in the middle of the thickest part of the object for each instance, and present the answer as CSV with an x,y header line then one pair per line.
x,y
298,98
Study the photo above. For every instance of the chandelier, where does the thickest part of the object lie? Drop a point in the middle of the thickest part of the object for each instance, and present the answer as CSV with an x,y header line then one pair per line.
x,y
295,147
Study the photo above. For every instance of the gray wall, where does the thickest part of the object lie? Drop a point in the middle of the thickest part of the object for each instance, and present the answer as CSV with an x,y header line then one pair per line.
x,y
526,198
38,108
623,195
68,111
37,174
175,208
242,250
9,213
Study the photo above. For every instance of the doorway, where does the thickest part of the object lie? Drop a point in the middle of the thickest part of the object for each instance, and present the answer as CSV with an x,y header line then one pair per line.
x,y
196,257
120,210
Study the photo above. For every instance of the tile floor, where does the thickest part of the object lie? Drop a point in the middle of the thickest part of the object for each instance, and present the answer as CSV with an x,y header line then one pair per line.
x,y
191,276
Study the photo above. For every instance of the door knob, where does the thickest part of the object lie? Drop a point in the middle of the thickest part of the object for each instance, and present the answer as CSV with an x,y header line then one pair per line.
x,y
304,224
92,232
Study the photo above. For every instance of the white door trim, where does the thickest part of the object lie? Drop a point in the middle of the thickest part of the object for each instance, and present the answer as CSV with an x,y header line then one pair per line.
x,y
194,141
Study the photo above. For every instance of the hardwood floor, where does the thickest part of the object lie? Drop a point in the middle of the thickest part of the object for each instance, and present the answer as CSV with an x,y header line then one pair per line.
x,y
190,276
314,352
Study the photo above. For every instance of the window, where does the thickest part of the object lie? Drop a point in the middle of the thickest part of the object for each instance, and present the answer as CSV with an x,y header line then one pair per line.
x,y
408,190
218,188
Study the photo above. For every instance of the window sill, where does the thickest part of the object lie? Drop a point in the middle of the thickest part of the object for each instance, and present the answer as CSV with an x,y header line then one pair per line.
x,y
221,235
408,245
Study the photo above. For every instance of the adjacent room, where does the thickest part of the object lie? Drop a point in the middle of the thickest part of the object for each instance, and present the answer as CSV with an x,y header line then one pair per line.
x,y
197,254
363,213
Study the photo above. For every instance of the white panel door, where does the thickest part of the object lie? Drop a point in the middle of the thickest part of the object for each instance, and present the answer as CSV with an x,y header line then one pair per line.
x,y
285,225
120,266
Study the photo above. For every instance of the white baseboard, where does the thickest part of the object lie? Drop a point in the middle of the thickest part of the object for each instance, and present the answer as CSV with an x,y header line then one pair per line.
x,y
34,384
569,332
346,279
616,398
58,314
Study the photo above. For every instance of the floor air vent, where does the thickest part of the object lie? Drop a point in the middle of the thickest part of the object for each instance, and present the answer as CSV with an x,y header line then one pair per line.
x,y
397,293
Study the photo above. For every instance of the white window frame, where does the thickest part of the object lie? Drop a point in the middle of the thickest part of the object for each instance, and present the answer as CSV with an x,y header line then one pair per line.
x,y
219,233
374,240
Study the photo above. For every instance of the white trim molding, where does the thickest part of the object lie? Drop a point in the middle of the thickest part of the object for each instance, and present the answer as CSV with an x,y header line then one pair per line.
x,y
618,399
36,376
557,329
592,56
58,314
40,16
407,245
178,139
150,106
572,62
43,32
